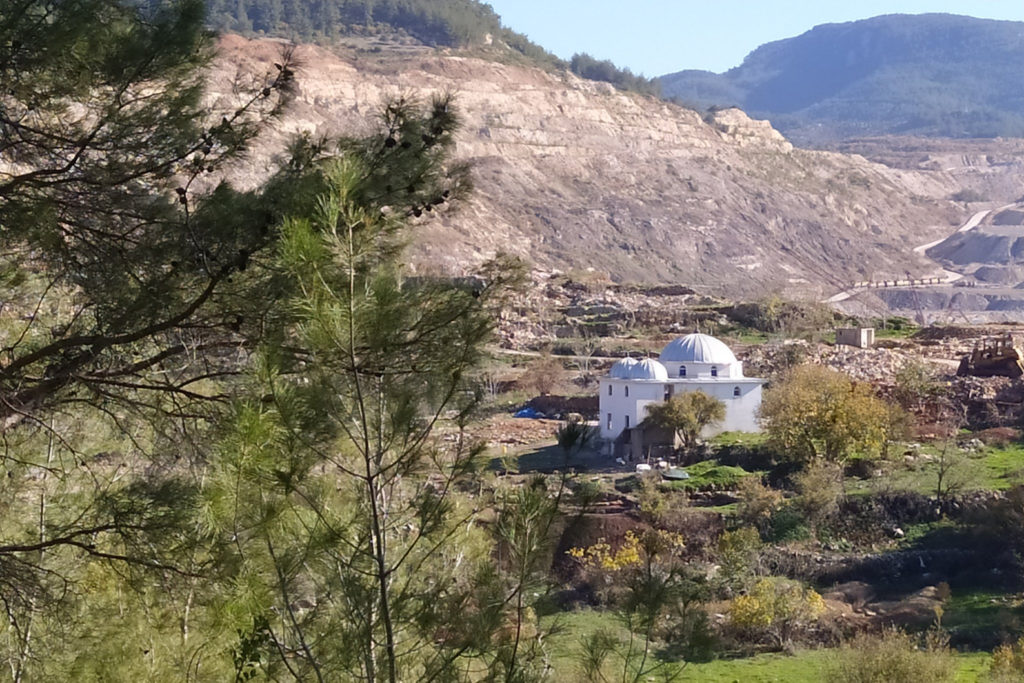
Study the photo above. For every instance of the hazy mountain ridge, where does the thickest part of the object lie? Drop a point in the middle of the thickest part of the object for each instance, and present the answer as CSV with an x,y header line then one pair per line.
x,y
932,74
574,174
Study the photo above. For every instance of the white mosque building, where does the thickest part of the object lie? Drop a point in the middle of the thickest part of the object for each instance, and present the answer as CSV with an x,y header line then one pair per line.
x,y
691,363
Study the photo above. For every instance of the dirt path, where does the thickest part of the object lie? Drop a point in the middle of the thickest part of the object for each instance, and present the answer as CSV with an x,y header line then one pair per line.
x,y
948,276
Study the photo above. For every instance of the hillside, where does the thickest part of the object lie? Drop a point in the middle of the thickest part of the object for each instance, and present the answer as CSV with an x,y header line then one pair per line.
x,y
436,22
931,74
573,174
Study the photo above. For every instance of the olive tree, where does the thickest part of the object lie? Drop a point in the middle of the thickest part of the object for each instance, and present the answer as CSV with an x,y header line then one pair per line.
x,y
687,414
816,412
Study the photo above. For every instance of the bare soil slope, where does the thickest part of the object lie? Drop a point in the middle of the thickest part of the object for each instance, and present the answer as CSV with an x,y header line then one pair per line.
x,y
575,175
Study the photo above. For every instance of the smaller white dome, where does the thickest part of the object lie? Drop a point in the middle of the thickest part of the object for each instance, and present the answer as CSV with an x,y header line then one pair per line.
x,y
648,368
697,348
622,368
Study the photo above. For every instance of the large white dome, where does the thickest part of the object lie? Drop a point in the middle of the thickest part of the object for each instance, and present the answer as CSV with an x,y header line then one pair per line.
x,y
648,368
697,348
621,368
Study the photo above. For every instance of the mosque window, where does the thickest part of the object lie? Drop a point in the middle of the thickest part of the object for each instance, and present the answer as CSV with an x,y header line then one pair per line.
x,y
682,371
609,389
714,371
627,391
735,391
609,424
627,422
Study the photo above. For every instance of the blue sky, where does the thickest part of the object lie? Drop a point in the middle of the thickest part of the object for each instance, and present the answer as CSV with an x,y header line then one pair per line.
x,y
655,37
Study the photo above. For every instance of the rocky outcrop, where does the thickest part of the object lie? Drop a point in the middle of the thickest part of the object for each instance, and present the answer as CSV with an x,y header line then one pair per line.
x,y
573,174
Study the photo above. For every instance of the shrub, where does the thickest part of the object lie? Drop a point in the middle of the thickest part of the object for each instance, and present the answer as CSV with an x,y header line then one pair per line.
x,y
543,375
820,489
757,503
788,523
967,195
775,609
739,554
892,657
1007,663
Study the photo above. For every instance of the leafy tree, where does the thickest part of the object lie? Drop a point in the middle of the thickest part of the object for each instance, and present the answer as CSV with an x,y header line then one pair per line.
x,y
686,414
107,232
573,437
819,412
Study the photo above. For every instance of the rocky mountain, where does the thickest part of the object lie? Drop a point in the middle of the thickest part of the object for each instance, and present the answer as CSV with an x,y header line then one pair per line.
x,y
930,74
577,176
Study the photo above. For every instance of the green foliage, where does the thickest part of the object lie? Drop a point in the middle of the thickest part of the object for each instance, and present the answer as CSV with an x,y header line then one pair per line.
x,y
435,22
916,384
656,597
775,609
818,412
757,503
708,474
133,293
819,491
1008,662
585,66
739,555
220,421
788,523
891,657
382,359
776,315
686,414
574,436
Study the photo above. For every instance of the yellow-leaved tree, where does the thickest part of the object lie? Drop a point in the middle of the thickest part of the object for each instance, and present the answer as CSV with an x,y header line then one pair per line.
x,y
817,412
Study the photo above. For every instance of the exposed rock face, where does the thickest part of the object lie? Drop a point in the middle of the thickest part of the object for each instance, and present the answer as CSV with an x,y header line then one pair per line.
x,y
573,174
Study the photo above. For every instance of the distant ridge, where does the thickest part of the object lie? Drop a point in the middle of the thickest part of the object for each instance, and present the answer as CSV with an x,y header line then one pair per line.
x,y
938,75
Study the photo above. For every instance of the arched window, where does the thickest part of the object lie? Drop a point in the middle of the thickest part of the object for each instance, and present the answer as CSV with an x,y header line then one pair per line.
x,y
627,421
626,388
714,371
682,371
609,423
609,389
735,391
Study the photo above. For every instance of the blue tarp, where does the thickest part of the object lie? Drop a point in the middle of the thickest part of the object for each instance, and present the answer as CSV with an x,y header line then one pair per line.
x,y
528,413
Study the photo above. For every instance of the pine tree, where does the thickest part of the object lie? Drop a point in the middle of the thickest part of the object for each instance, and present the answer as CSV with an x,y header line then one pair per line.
x,y
335,489
128,301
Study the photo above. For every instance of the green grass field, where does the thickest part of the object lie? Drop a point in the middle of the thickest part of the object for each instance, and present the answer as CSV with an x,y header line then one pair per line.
x,y
991,468
803,665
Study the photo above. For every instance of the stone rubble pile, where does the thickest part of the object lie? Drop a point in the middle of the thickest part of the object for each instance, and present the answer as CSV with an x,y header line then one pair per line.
x,y
877,365
555,306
